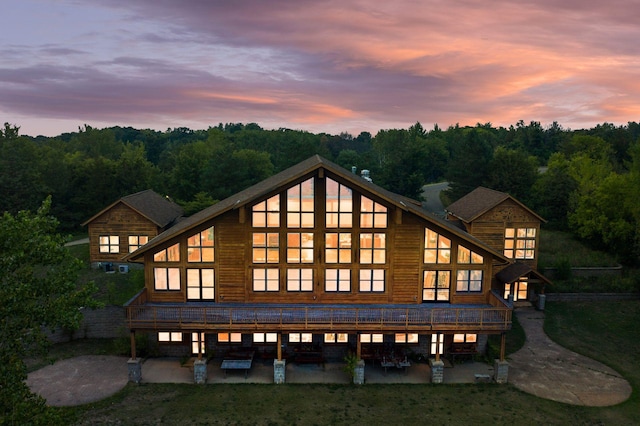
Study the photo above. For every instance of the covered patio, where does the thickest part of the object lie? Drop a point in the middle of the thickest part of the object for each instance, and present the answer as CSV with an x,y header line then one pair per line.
x,y
170,370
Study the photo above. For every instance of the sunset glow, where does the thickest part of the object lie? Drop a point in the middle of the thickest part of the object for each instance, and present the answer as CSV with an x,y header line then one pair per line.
x,y
331,66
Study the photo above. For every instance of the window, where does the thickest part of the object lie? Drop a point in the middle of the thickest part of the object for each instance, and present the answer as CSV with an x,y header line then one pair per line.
x,y
437,344
266,247
229,338
437,249
339,205
109,243
338,247
372,214
406,338
372,248
300,247
194,343
520,243
372,338
469,281
169,337
467,256
137,241
337,280
300,338
465,338
371,280
300,205
436,286
520,290
200,246
336,338
200,284
265,337
299,279
170,254
266,280
166,279
266,214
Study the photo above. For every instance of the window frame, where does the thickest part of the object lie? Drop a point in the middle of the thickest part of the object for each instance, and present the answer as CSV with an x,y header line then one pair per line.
x,y
339,281
436,248
371,281
436,288
300,284
463,284
136,244
109,244
170,274
201,281
197,246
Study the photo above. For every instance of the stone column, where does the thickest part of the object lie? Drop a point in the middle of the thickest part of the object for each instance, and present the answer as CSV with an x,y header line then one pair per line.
x,y
358,373
279,367
135,370
501,371
200,371
437,371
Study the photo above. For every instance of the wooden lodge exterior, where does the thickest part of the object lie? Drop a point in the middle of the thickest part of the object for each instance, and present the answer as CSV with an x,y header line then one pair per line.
x,y
507,226
318,255
129,223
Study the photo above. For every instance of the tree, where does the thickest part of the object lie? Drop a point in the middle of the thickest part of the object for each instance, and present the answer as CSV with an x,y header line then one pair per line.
x,y
471,152
38,292
552,191
513,172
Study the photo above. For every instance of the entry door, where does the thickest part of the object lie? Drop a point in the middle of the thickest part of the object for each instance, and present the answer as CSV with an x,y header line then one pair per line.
x,y
194,343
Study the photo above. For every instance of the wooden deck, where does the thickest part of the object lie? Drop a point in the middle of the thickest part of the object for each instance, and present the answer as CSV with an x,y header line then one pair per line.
x,y
290,318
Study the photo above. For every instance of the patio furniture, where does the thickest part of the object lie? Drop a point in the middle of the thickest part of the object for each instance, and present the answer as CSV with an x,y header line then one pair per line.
x,y
238,360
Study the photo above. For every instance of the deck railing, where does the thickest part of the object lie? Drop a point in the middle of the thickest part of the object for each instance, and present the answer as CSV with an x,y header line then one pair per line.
x,y
310,317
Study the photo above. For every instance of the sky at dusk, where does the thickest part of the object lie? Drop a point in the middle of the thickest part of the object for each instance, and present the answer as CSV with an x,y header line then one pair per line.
x,y
321,66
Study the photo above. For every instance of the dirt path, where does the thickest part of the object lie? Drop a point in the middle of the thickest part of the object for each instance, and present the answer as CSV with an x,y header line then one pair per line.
x,y
80,380
547,370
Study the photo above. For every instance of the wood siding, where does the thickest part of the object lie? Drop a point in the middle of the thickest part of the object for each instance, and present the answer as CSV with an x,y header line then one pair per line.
x,y
490,226
123,222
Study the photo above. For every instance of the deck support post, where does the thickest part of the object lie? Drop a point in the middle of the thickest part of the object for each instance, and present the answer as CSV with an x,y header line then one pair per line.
x,y
199,346
503,340
200,371
133,344
359,347
279,346
358,373
437,347
500,371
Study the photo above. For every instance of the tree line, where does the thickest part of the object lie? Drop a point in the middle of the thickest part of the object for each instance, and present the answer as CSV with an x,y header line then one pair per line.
x,y
584,181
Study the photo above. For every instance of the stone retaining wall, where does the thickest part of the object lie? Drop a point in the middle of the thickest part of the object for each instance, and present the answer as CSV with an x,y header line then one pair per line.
x,y
586,271
590,297
105,323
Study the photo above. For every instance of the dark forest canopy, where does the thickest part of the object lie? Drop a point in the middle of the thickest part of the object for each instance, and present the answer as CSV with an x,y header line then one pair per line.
x,y
591,185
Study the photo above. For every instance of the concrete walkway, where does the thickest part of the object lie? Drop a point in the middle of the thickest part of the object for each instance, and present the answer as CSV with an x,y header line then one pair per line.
x,y
547,370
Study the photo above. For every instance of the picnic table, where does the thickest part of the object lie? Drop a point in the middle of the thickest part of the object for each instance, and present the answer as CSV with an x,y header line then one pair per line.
x,y
399,362
236,364
238,360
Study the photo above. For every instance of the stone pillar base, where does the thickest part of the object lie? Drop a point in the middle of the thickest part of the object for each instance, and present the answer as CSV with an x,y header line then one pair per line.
x,y
200,371
358,373
279,368
542,298
501,371
135,370
437,371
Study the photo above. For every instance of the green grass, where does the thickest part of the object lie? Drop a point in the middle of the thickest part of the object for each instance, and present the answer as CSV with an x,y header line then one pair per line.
x,y
113,289
604,331
558,248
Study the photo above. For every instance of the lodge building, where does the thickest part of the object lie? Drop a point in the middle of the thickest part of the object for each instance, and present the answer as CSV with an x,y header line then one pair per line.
x,y
317,261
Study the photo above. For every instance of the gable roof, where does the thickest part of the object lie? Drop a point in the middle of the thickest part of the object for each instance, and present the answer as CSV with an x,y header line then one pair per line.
x,y
149,204
290,175
515,271
480,201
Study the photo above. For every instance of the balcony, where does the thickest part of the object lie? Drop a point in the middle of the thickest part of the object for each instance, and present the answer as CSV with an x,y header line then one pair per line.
x,y
494,317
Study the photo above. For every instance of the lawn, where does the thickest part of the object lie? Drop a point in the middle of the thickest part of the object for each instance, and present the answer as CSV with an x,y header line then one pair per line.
x,y
605,331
